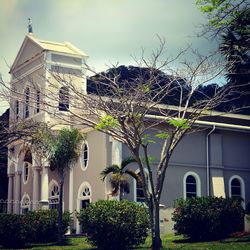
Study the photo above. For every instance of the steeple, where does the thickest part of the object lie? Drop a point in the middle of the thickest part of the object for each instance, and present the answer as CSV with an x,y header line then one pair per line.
x,y
30,29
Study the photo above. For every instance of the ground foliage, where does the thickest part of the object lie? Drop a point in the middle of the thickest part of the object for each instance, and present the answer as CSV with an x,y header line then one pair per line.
x,y
115,224
207,218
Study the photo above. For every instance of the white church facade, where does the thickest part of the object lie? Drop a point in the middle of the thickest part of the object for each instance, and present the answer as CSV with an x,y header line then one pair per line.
x,y
214,161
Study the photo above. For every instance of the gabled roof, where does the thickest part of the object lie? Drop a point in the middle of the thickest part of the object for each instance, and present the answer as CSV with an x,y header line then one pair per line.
x,y
42,45
65,47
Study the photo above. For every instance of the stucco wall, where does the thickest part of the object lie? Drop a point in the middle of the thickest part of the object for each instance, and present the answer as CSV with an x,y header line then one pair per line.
x,y
228,156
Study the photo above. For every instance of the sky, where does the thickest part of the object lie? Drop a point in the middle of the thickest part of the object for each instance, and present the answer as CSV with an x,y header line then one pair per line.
x,y
108,31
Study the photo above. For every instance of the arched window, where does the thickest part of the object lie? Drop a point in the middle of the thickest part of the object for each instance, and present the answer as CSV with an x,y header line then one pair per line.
x,y
237,188
83,199
64,99
191,185
38,99
16,109
53,195
84,195
27,103
27,162
85,155
25,204
25,172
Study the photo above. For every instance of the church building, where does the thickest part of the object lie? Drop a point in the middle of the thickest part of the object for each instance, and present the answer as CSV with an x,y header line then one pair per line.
x,y
214,161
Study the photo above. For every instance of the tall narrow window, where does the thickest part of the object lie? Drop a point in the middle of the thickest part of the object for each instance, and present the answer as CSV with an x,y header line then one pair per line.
x,y
38,99
27,163
191,187
25,172
235,188
85,155
64,99
27,103
17,109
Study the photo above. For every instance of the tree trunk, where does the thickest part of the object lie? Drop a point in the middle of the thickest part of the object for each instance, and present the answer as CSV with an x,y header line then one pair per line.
x,y
60,210
155,226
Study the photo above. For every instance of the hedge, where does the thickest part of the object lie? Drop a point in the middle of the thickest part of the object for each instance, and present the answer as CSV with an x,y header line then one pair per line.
x,y
208,218
33,227
115,224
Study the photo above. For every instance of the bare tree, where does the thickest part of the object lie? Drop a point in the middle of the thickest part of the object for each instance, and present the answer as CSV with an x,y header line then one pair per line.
x,y
150,107
171,105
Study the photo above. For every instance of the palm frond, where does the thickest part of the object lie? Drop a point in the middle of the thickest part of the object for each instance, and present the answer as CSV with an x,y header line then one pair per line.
x,y
108,170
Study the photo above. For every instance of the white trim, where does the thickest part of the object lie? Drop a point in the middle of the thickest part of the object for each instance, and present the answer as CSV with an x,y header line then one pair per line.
x,y
50,196
80,198
66,65
51,183
30,71
208,158
217,124
198,184
25,206
242,187
83,166
29,166
71,190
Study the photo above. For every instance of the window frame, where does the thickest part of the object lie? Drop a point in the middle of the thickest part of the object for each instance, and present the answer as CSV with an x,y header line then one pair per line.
x,y
53,205
26,176
63,104
198,184
242,186
25,207
16,110
83,160
81,198
38,101
26,102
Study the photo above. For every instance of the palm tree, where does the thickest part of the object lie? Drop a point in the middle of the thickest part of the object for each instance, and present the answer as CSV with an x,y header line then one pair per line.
x,y
119,179
62,152
235,45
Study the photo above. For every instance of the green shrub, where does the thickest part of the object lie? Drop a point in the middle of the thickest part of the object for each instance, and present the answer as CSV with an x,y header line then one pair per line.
x,y
208,218
37,226
115,224
13,230
43,225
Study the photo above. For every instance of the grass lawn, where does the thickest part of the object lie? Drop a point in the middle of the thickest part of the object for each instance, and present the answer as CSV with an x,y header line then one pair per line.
x,y
170,241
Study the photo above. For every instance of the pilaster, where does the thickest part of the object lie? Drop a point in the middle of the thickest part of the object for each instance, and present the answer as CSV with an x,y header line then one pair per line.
x,y
10,194
35,198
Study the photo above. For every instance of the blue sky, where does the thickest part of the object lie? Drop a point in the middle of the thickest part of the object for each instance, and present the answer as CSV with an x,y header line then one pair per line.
x,y
109,31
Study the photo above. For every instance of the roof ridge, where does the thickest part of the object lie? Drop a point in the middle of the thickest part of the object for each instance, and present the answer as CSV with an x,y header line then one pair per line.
x,y
51,42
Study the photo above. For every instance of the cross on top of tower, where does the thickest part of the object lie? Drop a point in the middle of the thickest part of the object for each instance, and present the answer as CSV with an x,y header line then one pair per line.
x,y
30,29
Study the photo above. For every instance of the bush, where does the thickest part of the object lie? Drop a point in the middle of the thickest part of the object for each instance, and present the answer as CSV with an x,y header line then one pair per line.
x,y
115,224
37,226
13,232
43,225
208,218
